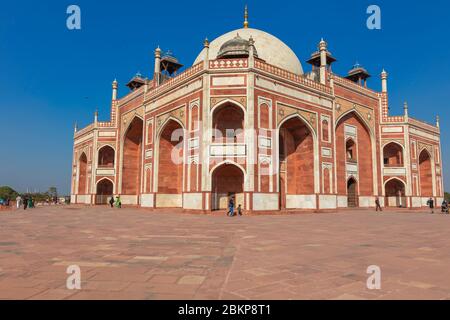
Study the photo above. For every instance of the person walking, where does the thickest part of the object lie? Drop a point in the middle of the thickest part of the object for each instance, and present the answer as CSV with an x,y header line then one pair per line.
x,y
25,203
30,203
239,210
377,204
111,202
18,202
444,206
430,204
118,202
231,207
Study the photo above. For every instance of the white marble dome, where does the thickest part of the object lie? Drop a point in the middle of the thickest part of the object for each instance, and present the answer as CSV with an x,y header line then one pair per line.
x,y
269,48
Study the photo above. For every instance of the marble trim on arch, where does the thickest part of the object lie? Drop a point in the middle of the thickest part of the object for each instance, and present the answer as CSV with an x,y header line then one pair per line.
x,y
240,100
284,111
178,113
366,113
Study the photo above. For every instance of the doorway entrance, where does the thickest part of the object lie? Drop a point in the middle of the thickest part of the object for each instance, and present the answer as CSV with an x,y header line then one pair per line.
x,y
352,196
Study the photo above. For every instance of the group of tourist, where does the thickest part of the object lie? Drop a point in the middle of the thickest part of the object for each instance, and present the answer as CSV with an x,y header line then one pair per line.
x,y
430,205
117,203
25,202
231,212
444,206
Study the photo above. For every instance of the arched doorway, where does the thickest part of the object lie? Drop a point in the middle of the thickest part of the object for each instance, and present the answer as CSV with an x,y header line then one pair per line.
x,y
82,174
354,155
132,151
227,181
393,155
352,193
106,157
296,159
426,175
171,153
228,124
105,190
395,193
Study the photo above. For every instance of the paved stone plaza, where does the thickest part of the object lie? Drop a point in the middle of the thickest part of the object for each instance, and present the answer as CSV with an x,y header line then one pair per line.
x,y
139,254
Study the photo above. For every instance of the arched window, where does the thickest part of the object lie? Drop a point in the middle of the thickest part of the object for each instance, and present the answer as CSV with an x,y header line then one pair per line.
x,y
194,118
393,155
325,130
106,157
350,150
228,124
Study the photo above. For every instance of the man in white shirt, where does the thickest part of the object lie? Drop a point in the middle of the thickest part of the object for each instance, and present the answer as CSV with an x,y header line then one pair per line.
x,y
18,202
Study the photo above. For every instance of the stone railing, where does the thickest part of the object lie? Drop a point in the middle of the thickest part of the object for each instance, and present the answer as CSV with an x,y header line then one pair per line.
x,y
186,74
300,79
104,124
228,63
394,119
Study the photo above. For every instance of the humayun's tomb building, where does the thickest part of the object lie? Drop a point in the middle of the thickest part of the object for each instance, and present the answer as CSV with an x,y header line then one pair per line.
x,y
245,120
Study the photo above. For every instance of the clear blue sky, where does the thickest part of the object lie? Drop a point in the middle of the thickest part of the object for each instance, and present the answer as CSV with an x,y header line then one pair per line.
x,y
51,77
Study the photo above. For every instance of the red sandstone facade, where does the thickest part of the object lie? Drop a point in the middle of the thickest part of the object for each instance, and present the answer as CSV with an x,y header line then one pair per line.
x,y
238,123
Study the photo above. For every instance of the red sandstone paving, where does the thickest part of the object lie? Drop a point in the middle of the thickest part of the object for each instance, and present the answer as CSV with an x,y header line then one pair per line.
x,y
165,254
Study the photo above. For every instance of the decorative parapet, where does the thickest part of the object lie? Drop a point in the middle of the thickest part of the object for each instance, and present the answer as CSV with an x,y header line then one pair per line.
x,y
104,124
354,86
423,125
291,76
394,119
228,63
84,130
187,74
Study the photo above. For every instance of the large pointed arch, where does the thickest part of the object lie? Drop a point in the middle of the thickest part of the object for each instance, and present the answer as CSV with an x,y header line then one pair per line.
x,y
169,176
131,164
297,152
425,173
359,115
82,174
365,161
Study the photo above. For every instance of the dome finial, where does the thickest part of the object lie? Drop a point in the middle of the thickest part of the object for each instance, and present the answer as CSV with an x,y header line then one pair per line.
x,y
246,17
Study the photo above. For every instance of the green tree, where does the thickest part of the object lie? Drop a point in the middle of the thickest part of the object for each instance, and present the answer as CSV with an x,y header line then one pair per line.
x,y
447,196
8,192
53,192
